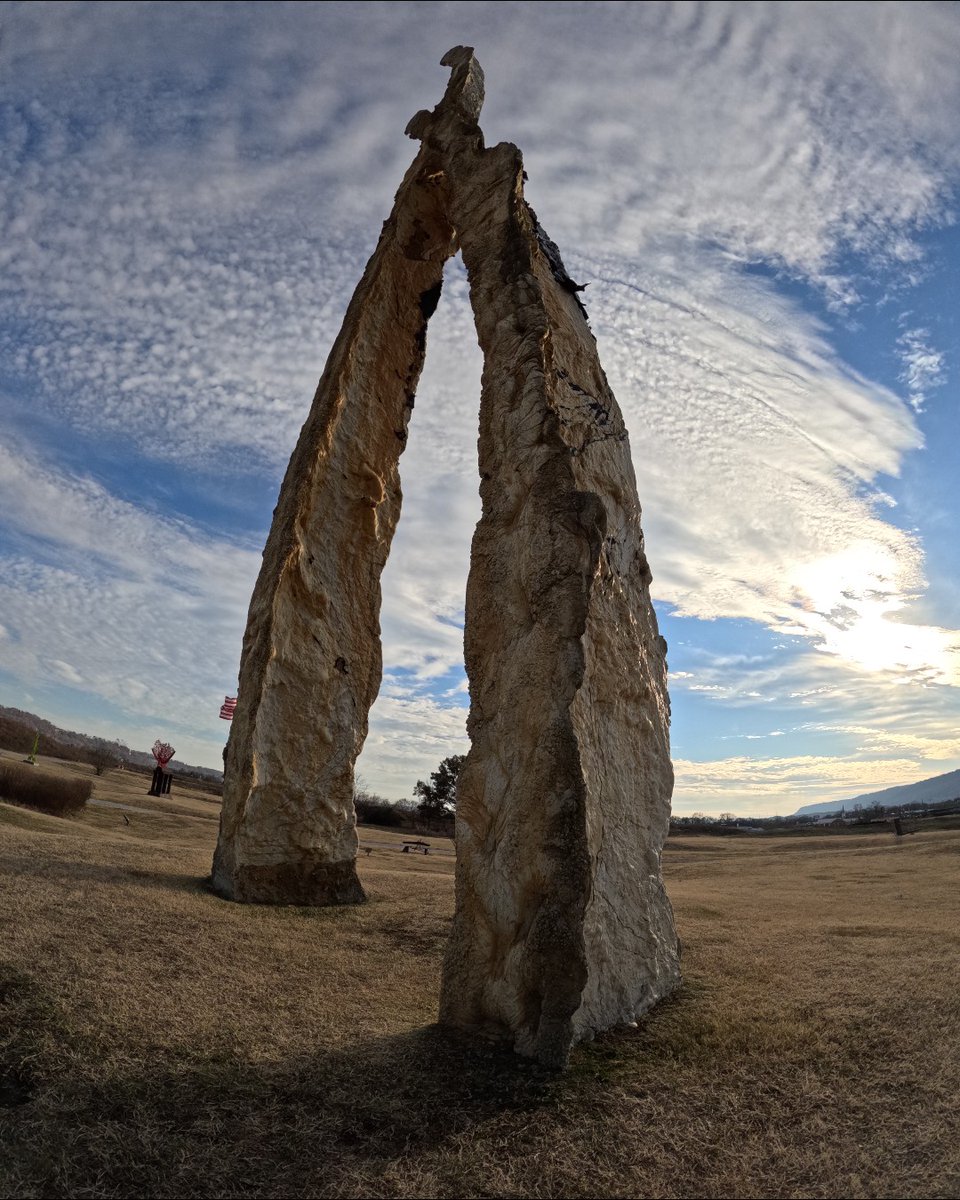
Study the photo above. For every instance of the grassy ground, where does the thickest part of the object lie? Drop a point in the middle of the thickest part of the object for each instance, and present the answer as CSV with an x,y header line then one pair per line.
x,y
158,1041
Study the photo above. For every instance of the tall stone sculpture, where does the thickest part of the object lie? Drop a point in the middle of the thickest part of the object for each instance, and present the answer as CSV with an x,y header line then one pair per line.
x,y
562,925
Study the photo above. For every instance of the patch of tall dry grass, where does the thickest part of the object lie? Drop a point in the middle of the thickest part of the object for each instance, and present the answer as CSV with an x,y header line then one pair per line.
x,y
48,793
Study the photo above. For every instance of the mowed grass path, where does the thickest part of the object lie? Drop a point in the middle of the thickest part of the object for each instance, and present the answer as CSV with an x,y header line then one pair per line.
x,y
158,1041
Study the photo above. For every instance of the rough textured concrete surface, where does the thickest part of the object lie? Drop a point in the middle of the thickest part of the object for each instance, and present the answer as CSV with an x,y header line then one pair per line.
x,y
562,926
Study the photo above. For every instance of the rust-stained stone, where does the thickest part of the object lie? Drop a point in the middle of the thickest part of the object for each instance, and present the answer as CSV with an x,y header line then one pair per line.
x,y
562,925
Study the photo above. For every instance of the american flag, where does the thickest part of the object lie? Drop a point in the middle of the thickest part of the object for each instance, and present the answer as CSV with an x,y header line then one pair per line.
x,y
226,709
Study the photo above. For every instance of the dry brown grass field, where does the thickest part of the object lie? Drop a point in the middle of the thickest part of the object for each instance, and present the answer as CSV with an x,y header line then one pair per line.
x,y
158,1041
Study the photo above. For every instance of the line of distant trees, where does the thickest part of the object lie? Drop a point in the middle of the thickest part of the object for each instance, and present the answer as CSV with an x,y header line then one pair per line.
x,y
18,734
857,814
102,755
432,811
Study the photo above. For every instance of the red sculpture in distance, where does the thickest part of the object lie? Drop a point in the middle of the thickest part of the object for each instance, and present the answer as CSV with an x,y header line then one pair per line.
x,y
162,752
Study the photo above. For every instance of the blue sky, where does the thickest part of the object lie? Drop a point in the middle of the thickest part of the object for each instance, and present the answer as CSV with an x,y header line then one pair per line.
x,y
762,200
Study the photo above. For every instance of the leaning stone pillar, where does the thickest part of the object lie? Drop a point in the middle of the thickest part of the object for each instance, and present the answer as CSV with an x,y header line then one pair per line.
x,y
311,661
562,926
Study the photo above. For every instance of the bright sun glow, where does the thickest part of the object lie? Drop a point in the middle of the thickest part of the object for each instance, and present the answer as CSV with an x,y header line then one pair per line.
x,y
849,602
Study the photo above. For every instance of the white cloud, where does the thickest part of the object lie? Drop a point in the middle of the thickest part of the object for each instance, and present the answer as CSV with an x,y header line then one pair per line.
x,y
143,612
754,786
874,723
929,746
923,366
407,739
182,268
788,134
758,455
66,672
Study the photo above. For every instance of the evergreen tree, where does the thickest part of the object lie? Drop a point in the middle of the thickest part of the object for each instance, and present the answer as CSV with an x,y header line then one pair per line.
x,y
438,798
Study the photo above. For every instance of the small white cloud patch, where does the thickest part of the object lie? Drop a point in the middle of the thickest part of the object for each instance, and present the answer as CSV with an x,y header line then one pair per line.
x,y
65,671
923,366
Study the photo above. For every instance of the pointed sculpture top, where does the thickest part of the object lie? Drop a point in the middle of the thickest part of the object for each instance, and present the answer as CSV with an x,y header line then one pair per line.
x,y
464,94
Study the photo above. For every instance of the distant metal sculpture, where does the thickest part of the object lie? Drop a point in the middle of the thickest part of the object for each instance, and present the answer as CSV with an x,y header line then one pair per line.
x,y
163,752
562,926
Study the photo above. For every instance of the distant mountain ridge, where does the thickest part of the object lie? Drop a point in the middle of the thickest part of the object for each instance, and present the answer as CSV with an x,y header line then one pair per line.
x,y
934,790
53,735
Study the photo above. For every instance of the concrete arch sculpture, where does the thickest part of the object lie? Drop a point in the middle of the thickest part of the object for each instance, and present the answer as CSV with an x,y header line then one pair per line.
x,y
562,925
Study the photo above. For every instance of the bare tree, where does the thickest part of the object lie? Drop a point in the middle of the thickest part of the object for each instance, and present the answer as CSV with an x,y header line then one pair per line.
x,y
103,757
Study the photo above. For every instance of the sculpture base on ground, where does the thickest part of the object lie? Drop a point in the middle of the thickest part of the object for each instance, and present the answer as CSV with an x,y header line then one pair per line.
x,y
316,885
